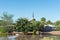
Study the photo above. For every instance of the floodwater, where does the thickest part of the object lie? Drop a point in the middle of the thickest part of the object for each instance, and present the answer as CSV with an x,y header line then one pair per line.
x,y
31,37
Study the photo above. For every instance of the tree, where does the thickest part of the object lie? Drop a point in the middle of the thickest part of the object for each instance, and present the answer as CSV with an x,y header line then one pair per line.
x,y
58,27
49,22
7,17
57,23
42,23
3,23
43,19
35,26
22,25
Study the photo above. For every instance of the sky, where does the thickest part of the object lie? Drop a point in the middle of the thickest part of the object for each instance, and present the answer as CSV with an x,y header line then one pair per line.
x,y
50,9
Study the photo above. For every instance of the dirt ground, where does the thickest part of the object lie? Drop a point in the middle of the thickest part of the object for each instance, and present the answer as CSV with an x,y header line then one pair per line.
x,y
53,32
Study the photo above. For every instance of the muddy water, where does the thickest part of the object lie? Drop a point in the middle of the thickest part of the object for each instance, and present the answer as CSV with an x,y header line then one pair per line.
x,y
31,37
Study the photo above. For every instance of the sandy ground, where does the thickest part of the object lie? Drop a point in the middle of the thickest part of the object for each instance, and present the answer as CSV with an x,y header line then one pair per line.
x,y
53,32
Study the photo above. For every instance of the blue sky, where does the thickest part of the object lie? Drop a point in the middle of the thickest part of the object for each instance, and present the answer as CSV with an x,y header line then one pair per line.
x,y
50,9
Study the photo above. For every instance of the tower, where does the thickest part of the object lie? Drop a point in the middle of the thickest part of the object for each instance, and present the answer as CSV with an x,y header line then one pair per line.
x,y
33,16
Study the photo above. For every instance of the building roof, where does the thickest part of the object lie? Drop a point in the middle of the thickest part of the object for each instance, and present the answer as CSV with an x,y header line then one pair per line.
x,y
50,25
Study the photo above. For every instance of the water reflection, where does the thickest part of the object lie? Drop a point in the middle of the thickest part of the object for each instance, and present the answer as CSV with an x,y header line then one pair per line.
x,y
38,37
31,37
2,38
11,37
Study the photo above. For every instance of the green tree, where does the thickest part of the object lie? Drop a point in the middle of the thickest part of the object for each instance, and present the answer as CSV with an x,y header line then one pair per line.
x,y
7,17
58,27
42,23
57,23
43,19
35,26
49,22
2,23
22,25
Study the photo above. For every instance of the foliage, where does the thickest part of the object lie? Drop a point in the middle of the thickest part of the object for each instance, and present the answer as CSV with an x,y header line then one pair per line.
x,y
42,23
3,29
58,27
43,19
10,28
3,34
49,22
22,24
41,26
6,20
57,23
7,17
3,23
